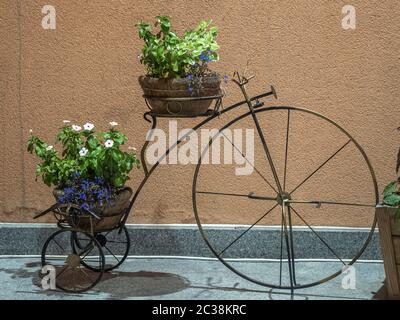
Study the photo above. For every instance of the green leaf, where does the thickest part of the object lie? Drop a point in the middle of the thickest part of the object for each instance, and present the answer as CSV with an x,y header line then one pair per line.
x,y
390,188
38,170
392,200
167,55
119,181
164,23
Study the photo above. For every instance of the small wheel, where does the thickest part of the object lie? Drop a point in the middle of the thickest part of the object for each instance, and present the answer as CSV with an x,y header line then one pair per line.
x,y
289,214
72,275
114,244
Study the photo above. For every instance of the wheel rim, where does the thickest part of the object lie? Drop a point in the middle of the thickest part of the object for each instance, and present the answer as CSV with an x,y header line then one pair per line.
x,y
71,273
289,111
115,246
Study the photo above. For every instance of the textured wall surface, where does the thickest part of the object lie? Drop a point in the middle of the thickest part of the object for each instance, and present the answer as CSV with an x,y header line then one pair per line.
x,y
87,70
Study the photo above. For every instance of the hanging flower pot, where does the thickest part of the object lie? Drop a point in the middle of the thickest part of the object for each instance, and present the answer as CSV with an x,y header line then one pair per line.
x,y
179,81
88,174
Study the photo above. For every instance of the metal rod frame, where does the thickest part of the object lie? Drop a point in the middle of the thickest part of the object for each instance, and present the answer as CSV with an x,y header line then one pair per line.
x,y
286,225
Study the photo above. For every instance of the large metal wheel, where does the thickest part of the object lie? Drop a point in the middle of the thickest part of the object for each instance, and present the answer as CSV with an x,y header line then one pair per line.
x,y
115,246
71,273
326,184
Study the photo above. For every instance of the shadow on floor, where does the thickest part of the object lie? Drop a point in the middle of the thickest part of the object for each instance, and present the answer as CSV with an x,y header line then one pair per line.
x,y
121,285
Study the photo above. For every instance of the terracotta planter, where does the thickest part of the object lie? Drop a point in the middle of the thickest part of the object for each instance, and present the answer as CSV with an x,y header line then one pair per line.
x,y
389,233
111,214
158,91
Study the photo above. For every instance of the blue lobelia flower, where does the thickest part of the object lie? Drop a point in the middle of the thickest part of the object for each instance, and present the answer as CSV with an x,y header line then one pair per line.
x,y
82,196
68,191
84,206
85,184
99,180
77,174
100,194
61,199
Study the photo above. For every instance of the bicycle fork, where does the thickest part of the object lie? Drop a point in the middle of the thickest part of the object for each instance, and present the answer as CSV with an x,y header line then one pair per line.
x,y
282,195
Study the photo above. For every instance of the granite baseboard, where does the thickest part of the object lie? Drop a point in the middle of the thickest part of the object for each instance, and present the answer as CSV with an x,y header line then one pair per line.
x,y
185,240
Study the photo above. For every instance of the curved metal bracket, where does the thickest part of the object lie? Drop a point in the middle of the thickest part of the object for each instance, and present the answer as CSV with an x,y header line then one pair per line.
x,y
153,122
148,172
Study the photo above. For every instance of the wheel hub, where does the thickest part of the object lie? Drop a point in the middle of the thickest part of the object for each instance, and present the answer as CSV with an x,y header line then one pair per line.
x,y
101,239
73,260
282,197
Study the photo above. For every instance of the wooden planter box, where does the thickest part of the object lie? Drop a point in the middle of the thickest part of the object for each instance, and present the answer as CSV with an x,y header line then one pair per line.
x,y
389,233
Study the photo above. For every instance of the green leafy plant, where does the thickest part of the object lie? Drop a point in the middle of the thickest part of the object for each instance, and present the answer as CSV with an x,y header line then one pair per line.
x,y
167,55
87,153
391,193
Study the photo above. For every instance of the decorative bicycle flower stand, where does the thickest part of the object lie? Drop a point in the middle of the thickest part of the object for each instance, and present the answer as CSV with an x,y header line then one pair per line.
x,y
81,253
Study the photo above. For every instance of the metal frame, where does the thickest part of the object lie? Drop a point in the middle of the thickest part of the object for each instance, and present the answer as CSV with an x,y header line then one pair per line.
x,y
285,199
282,197
152,118
286,225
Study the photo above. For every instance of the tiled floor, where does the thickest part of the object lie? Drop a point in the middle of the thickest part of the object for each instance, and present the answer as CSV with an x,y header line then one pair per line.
x,y
184,278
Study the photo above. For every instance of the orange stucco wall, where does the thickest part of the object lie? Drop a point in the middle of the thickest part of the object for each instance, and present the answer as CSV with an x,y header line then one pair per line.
x,y
87,70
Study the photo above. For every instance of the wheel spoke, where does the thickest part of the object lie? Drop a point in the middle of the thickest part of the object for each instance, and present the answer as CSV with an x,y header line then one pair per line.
x,y
323,164
248,229
250,195
318,236
63,250
255,169
111,253
223,194
108,232
293,259
280,260
286,150
114,241
288,249
319,202
83,252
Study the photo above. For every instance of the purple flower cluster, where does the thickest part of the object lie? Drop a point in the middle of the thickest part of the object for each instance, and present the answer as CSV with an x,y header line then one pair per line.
x,y
87,194
199,71
206,56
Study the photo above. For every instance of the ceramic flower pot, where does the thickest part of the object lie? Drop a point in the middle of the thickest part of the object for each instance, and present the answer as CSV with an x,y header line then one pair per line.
x,y
156,90
110,213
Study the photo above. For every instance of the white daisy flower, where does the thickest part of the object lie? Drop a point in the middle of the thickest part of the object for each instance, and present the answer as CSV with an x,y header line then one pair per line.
x,y
66,121
113,123
83,152
109,143
48,148
88,126
30,130
76,128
